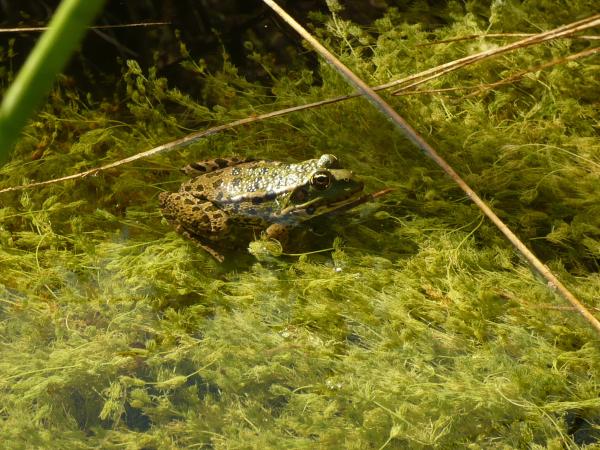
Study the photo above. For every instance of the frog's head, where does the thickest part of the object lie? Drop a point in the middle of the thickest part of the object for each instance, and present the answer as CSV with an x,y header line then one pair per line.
x,y
326,189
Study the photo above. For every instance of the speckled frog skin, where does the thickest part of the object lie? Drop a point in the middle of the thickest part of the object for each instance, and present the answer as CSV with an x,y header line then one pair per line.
x,y
231,193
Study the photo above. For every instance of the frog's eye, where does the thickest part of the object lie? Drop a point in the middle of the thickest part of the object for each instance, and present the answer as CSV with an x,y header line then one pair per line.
x,y
321,180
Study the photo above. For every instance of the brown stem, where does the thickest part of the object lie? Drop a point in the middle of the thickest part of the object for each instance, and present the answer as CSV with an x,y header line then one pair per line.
x,y
565,30
98,27
497,35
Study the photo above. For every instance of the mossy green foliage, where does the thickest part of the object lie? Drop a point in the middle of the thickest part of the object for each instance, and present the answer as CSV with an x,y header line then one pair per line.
x,y
422,328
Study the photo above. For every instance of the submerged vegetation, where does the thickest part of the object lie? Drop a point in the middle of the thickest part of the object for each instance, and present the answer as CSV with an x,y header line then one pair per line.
x,y
417,325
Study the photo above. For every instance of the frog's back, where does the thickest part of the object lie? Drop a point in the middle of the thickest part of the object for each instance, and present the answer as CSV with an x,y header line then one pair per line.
x,y
256,179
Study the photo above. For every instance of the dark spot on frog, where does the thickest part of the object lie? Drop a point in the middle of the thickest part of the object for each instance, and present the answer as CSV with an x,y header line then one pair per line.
x,y
199,167
188,201
196,208
217,183
270,196
221,162
258,200
299,195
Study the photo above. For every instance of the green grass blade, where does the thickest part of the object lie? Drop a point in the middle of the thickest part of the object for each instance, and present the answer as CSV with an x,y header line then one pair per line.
x,y
46,60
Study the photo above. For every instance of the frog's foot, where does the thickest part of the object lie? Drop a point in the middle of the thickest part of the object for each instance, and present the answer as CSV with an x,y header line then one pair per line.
x,y
210,165
211,251
278,232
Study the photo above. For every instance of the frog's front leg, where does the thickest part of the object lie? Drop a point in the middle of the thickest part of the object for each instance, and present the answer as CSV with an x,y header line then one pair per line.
x,y
198,221
279,232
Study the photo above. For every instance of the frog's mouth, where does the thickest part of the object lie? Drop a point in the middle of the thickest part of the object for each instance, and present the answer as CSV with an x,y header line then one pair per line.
x,y
325,205
344,196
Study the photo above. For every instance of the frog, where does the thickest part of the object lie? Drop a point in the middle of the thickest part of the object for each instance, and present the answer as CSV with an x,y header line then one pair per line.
x,y
226,195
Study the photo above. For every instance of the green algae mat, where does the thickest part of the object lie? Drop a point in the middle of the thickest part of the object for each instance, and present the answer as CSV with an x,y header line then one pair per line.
x,y
408,322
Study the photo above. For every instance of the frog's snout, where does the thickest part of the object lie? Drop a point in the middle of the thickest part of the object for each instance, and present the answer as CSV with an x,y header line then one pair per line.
x,y
359,185
352,188
349,176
